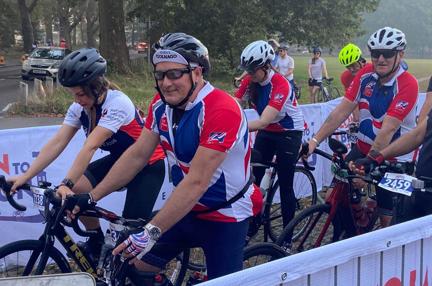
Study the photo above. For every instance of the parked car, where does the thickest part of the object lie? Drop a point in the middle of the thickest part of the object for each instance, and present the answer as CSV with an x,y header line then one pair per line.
x,y
43,62
141,47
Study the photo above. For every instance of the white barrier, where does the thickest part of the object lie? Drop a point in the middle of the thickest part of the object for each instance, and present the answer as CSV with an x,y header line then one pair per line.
x,y
393,256
19,147
70,279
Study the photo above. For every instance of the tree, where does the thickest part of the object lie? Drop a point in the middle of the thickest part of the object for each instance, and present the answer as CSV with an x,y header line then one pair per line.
x,y
26,25
91,23
8,23
70,13
112,35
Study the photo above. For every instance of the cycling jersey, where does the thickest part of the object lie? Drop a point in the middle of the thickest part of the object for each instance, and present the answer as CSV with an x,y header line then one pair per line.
x,y
346,78
276,92
425,156
116,113
396,98
215,121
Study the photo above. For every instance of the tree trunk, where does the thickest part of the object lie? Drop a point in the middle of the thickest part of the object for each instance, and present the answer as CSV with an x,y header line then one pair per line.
x,y
48,21
112,35
92,25
26,26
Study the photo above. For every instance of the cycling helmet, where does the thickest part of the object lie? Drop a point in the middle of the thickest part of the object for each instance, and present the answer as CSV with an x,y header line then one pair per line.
x,y
81,67
187,46
284,47
387,38
316,50
273,43
257,54
349,54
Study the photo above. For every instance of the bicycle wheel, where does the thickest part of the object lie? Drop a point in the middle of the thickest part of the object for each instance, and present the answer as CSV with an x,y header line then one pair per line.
x,y
21,258
334,92
312,222
305,190
261,253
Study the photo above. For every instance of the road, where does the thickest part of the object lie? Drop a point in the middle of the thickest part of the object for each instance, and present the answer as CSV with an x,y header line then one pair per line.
x,y
10,76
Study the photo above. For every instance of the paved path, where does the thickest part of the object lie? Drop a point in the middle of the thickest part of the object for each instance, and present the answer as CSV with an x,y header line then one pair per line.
x,y
20,122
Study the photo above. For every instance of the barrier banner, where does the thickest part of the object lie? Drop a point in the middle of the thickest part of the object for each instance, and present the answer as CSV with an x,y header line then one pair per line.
x,y
18,148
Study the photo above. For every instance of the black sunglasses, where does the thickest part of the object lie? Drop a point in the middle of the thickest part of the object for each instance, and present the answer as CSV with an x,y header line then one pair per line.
x,y
171,74
387,54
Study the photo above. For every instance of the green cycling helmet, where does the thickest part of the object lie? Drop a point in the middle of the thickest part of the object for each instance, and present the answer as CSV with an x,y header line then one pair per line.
x,y
349,54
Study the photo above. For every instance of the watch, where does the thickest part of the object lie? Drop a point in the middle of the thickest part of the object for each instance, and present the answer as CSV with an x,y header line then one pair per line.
x,y
154,231
68,183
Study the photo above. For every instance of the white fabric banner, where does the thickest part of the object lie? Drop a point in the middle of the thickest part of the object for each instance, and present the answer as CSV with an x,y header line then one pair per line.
x,y
18,148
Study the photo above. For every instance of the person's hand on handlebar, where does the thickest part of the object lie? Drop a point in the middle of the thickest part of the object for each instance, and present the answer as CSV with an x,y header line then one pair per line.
x,y
368,163
136,245
17,181
78,202
313,143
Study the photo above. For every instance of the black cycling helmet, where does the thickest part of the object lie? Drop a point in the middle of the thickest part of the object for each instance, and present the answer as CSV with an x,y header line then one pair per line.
x,y
81,67
188,46
316,50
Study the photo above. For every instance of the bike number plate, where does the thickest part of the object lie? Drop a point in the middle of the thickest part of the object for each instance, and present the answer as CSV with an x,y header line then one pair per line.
x,y
39,198
115,230
397,183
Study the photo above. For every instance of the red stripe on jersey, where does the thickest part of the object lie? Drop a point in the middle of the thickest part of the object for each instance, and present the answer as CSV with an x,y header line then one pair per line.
x,y
133,129
247,157
257,200
244,84
363,105
166,146
185,169
377,124
213,216
363,147
406,97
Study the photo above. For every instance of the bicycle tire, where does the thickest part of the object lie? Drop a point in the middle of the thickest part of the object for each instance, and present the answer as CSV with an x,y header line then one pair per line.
x,y
35,247
312,220
334,91
272,212
260,253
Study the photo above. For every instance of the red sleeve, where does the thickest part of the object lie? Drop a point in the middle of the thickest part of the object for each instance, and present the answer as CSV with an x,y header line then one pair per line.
x,y
150,120
280,92
406,98
346,79
222,121
352,93
241,91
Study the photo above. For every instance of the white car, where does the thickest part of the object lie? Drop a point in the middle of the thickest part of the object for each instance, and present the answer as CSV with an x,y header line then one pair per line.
x,y
43,62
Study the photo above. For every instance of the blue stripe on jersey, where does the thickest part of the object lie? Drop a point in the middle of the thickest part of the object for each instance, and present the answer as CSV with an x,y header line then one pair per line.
x,y
366,128
176,175
215,194
188,134
379,104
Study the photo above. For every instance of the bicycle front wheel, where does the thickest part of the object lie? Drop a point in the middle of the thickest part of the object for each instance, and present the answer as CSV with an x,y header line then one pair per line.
x,y
317,229
305,191
21,258
334,92
261,253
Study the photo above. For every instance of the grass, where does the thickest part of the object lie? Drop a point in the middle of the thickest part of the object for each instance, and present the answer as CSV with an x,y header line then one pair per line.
x,y
139,86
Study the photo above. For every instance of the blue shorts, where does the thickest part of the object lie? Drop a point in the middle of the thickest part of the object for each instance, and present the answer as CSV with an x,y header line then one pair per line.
x,y
222,243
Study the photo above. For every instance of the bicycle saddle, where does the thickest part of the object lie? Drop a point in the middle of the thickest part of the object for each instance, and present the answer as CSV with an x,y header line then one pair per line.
x,y
337,146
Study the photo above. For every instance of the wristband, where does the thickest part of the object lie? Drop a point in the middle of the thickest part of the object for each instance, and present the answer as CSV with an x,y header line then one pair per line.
x,y
68,183
316,141
376,156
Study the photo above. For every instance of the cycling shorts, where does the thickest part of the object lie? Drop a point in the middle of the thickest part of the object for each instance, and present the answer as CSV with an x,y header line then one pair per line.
x,y
142,191
314,82
222,243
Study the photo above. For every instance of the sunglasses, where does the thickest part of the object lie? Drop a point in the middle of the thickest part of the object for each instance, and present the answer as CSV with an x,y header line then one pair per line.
x,y
387,54
171,74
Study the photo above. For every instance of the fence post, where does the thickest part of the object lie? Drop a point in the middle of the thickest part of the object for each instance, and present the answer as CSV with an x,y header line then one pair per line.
x,y
24,91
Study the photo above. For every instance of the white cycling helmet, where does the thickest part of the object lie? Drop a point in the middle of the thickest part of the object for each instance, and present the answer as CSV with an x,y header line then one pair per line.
x,y
257,54
387,38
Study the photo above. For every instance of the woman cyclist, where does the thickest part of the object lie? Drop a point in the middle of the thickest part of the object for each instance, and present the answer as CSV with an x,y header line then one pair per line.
x,y
316,69
280,126
112,123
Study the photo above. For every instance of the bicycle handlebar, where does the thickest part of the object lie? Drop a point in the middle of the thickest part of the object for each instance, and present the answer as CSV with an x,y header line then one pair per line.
x,y
6,187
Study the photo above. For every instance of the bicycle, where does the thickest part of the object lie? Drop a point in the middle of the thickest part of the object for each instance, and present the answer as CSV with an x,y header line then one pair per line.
x,y
45,258
335,219
305,189
41,256
327,90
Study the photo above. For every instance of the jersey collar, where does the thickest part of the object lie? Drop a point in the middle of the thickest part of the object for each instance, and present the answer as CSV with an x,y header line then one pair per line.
x,y
268,79
393,79
205,90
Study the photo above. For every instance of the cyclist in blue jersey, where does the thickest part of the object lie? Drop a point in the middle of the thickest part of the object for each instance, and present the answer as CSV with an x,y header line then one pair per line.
x,y
204,133
110,122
